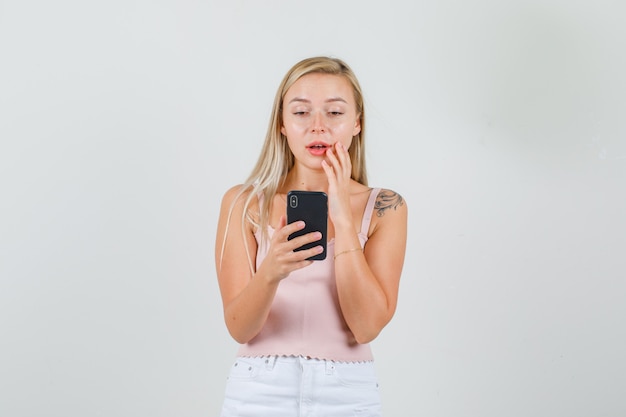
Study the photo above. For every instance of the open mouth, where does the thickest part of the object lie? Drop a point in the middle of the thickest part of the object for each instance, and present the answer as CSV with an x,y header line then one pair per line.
x,y
318,146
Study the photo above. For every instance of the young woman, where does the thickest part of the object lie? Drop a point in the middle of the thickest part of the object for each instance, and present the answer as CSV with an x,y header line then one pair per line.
x,y
304,326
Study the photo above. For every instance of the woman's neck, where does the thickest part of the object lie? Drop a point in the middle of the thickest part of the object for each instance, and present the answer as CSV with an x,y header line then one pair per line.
x,y
306,180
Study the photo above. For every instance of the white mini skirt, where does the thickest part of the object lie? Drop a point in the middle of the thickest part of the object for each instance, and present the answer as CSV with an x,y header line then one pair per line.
x,y
279,386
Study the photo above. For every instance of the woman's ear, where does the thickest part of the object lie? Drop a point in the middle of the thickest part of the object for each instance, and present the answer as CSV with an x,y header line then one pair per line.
x,y
357,126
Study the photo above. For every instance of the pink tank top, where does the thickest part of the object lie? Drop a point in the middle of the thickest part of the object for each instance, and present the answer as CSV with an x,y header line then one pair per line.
x,y
305,318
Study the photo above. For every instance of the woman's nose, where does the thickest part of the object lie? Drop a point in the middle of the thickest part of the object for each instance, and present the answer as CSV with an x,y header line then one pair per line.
x,y
318,125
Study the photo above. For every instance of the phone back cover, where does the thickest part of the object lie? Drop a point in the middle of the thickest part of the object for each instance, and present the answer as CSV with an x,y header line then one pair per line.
x,y
312,208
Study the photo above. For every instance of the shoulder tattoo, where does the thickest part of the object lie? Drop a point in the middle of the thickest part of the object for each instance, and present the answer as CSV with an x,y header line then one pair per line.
x,y
385,200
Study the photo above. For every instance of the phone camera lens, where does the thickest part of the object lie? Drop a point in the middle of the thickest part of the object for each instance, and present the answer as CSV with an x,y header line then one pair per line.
x,y
293,201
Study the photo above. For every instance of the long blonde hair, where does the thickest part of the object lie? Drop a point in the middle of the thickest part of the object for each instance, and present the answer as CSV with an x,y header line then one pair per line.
x,y
276,159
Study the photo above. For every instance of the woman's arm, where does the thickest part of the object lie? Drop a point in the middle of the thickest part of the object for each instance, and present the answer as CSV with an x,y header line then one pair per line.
x,y
368,281
247,295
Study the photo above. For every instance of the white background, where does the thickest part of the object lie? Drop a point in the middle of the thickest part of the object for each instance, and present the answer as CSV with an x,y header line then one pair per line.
x,y
502,123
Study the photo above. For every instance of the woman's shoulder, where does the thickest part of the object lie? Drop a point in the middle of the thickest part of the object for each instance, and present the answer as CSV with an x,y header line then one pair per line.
x,y
237,195
389,212
237,191
388,200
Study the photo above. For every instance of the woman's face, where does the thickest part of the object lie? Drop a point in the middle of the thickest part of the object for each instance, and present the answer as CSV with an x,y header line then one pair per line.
x,y
318,111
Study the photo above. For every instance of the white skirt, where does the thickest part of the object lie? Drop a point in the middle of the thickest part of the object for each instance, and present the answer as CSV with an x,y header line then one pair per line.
x,y
280,386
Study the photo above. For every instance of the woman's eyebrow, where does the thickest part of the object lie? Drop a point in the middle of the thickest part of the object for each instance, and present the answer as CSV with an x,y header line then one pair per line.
x,y
329,100
299,100
333,99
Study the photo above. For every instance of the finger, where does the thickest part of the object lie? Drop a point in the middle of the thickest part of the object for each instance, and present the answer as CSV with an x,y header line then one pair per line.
x,y
330,172
331,154
344,158
282,221
290,228
301,264
300,241
340,160
308,253
334,162
303,255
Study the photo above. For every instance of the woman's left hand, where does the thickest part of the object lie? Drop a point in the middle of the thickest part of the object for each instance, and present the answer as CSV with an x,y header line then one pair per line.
x,y
338,170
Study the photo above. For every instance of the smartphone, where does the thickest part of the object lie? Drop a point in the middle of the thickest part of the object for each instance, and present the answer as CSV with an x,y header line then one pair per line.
x,y
312,208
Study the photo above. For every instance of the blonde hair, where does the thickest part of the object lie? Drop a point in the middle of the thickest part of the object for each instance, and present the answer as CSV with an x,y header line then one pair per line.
x,y
276,159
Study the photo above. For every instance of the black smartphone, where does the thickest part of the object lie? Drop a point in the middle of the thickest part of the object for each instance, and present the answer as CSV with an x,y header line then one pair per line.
x,y
312,208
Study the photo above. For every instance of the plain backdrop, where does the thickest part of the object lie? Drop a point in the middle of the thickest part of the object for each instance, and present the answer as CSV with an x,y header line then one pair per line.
x,y
501,123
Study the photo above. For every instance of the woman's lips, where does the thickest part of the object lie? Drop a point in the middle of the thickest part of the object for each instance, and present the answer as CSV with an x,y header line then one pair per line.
x,y
318,148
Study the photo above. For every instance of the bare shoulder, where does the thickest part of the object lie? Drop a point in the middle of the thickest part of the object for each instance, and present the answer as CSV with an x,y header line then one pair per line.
x,y
236,201
235,206
389,215
235,192
236,196
389,201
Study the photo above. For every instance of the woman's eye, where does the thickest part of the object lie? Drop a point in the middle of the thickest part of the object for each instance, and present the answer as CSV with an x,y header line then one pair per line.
x,y
299,113
335,113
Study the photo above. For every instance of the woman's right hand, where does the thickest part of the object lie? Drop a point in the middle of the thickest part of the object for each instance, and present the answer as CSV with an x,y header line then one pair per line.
x,y
282,259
